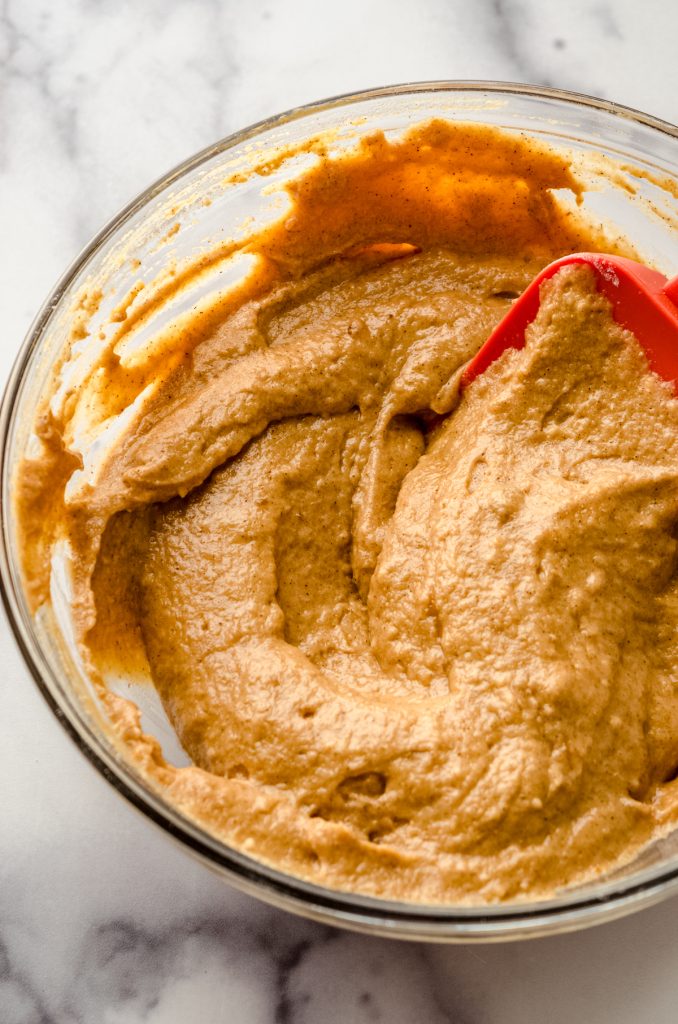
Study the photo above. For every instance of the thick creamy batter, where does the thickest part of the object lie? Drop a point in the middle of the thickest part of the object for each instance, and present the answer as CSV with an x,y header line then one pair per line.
x,y
415,646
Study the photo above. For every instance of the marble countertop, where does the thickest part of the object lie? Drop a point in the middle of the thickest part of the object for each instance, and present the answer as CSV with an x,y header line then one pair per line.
x,y
102,917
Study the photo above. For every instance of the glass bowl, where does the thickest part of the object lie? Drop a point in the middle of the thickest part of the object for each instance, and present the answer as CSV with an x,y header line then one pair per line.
x,y
218,194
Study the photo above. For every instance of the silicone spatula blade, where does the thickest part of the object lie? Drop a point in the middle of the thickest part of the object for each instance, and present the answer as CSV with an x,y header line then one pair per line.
x,y
642,299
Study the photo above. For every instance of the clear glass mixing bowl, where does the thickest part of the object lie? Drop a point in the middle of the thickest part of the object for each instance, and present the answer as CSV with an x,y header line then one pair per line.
x,y
640,199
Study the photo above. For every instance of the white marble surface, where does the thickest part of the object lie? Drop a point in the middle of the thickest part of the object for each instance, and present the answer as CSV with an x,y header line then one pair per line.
x,y
102,918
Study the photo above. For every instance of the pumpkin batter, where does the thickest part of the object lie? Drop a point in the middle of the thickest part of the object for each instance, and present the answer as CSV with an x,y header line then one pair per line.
x,y
415,646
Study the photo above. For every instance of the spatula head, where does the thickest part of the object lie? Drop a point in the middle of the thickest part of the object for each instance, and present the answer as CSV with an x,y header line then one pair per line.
x,y
642,301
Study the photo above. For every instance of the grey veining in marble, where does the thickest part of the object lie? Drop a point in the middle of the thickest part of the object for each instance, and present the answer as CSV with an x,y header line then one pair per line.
x,y
102,918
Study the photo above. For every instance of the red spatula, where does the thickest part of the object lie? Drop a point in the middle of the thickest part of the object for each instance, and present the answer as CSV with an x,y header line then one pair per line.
x,y
642,300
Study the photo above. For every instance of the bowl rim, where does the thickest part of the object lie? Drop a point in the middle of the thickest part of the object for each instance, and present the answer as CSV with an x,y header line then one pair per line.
x,y
358,912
